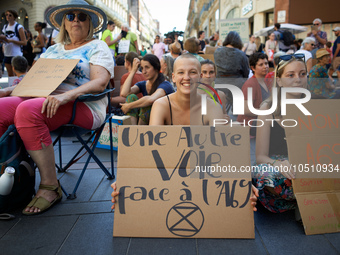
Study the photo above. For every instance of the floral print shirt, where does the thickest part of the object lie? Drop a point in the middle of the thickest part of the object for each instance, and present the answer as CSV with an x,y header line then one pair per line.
x,y
95,52
318,77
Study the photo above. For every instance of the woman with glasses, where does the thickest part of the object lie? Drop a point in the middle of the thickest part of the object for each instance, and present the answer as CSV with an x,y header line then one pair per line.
x,y
34,118
276,192
307,46
320,36
13,39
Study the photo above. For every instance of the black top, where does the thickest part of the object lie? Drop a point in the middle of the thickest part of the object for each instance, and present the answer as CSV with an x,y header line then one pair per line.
x,y
278,144
202,43
170,110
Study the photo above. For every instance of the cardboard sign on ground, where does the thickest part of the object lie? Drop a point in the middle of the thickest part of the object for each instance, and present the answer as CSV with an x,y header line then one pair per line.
x,y
44,77
163,194
314,151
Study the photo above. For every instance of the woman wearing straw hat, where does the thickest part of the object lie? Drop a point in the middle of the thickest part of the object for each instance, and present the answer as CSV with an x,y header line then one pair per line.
x,y
320,84
77,21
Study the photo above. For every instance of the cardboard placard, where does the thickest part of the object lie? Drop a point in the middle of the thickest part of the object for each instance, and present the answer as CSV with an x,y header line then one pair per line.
x,y
240,25
124,46
44,77
314,151
104,139
162,194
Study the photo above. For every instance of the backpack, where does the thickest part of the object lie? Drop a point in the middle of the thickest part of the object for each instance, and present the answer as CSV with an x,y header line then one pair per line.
x,y
287,37
14,154
16,30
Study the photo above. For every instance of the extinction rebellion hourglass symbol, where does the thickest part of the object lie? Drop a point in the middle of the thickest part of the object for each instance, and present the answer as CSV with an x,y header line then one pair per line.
x,y
185,219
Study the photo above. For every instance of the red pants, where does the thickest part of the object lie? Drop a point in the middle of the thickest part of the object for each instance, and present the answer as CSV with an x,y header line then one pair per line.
x,y
33,126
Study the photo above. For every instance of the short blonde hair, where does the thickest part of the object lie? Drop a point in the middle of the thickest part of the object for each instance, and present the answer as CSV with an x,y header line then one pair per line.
x,y
63,36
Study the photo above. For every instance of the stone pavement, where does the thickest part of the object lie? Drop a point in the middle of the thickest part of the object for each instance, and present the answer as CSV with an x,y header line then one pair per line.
x,y
84,226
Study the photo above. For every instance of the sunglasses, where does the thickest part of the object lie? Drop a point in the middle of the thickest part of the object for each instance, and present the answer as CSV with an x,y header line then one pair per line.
x,y
289,57
312,44
316,24
81,16
8,15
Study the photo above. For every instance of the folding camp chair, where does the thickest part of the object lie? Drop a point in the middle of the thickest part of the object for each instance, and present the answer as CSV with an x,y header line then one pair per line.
x,y
74,130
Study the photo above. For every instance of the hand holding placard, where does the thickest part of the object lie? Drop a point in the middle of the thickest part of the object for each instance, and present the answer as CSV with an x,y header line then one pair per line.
x,y
44,77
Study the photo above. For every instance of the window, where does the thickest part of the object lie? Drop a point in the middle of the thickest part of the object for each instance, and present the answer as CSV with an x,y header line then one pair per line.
x,y
233,13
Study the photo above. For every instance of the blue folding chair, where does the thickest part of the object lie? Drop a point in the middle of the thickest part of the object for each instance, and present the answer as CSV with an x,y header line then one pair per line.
x,y
73,130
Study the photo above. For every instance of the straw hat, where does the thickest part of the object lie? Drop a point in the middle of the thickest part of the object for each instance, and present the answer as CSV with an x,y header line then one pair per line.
x,y
55,15
321,52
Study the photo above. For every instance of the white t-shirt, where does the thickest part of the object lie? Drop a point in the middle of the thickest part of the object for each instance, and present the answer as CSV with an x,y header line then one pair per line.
x,y
11,49
307,54
95,52
54,33
158,49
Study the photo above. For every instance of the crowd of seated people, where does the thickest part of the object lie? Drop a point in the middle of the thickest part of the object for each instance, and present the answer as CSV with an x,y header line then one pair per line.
x,y
166,89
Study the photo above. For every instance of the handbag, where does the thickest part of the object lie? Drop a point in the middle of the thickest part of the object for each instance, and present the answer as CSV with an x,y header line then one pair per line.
x,y
37,50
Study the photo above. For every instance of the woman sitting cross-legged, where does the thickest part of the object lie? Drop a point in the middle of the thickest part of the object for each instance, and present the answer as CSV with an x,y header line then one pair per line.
x,y
153,88
276,191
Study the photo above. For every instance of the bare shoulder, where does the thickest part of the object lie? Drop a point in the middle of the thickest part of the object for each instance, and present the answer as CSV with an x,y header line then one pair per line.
x,y
159,112
161,102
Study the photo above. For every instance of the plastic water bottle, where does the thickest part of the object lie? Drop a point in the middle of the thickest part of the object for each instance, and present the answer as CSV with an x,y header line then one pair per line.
x,y
7,181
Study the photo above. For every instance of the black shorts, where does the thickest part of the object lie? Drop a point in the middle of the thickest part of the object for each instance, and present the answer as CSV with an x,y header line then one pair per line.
x,y
8,60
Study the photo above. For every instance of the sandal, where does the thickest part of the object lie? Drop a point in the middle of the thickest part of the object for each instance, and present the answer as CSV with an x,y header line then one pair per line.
x,y
41,203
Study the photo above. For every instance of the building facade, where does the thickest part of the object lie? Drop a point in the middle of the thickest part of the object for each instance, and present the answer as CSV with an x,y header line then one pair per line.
x,y
148,27
289,11
205,14
32,11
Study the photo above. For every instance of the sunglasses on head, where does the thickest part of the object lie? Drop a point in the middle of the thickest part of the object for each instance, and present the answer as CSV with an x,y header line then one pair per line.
x,y
81,16
289,57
